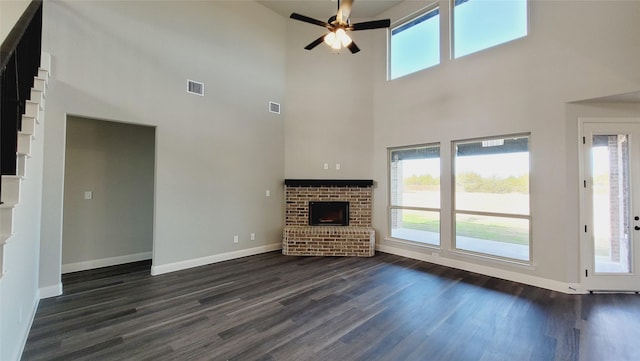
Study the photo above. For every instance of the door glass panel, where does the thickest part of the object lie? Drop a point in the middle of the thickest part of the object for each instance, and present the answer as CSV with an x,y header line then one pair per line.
x,y
611,203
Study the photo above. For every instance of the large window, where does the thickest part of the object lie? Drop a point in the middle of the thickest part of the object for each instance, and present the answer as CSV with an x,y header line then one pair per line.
x,y
481,24
414,204
415,45
491,199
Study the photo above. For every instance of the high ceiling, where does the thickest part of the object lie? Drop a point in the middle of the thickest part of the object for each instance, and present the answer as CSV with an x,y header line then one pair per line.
x,y
323,9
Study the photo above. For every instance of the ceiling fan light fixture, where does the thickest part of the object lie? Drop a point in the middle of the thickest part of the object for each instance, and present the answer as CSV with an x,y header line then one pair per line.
x,y
338,25
330,38
342,36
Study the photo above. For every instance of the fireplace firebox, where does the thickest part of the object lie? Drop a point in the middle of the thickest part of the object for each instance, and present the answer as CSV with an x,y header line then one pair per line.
x,y
328,213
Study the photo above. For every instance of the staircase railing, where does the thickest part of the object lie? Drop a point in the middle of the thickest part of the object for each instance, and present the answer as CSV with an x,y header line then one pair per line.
x,y
19,62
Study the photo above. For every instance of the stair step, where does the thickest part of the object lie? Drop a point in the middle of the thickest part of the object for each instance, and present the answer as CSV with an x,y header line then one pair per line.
x,y
6,221
40,84
37,96
31,109
45,61
24,143
21,165
43,74
10,190
32,103
28,125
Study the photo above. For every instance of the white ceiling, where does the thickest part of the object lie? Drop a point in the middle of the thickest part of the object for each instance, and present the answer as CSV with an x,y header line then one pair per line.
x,y
323,9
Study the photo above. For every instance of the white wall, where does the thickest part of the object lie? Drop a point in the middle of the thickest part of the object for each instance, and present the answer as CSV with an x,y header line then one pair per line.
x,y
114,161
518,87
215,155
19,285
328,106
10,12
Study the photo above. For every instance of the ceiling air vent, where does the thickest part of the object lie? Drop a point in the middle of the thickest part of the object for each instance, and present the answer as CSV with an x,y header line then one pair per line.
x,y
195,87
274,107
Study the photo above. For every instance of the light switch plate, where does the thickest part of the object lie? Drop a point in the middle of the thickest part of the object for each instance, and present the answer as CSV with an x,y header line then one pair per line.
x,y
88,195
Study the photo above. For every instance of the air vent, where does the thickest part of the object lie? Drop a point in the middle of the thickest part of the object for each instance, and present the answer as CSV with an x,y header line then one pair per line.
x,y
194,87
274,107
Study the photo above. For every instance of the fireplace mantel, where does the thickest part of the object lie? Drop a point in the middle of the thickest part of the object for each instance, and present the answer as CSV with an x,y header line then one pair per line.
x,y
328,182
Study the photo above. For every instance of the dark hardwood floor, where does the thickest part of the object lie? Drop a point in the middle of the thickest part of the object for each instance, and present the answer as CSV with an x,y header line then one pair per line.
x,y
275,307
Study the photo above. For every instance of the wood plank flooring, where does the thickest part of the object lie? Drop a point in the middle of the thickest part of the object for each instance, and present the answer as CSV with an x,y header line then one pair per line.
x,y
275,307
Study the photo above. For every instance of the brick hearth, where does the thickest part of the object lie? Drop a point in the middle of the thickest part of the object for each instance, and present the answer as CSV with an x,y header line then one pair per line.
x,y
300,239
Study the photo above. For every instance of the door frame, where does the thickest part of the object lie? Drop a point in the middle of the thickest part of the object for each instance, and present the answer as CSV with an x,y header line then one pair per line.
x,y
585,213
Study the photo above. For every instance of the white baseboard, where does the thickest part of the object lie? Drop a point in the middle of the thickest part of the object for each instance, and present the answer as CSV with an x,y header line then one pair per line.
x,y
105,262
50,291
25,335
569,288
196,262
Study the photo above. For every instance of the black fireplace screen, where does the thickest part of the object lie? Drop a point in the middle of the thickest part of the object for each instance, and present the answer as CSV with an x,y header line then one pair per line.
x,y
328,213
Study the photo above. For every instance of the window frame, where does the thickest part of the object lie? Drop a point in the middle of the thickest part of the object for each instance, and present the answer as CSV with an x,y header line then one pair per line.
x,y
391,206
435,7
455,211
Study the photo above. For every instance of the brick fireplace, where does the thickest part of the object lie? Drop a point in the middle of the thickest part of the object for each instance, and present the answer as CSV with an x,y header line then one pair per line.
x,y
300,238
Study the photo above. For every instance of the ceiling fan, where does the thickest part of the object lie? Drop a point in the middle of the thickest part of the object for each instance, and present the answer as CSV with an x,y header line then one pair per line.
x,y
338,25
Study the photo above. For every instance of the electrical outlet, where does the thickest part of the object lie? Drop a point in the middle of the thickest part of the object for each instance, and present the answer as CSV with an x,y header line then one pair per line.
x,y
253,236
267,193
337,166
326,166
88,195
235,239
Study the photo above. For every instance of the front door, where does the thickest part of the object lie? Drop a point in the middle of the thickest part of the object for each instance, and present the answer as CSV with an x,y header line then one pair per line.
x,y
610,245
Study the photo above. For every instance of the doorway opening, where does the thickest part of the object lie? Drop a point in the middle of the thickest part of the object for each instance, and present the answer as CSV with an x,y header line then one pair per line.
x,y
109,184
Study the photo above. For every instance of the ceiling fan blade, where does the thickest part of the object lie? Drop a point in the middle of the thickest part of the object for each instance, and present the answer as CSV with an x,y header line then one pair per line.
x,y
309,20
315,43
375,24
353,48
344,11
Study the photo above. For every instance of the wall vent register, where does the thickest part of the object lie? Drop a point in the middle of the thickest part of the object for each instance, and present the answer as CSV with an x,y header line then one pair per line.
x,y
194,87
274,107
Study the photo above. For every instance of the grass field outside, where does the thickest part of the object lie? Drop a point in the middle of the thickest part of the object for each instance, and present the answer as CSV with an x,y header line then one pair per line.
x,y
473,227
501,229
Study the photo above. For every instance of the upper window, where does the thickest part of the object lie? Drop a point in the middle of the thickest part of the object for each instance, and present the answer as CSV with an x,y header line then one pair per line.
x,y
481,24
414,204
415,45
491,208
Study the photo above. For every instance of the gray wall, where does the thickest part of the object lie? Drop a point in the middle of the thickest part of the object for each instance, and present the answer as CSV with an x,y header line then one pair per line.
x,y
329,102
114,161
215,155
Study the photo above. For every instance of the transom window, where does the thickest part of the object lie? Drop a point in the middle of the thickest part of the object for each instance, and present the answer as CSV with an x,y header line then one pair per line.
x,y
476,25
414,204
491,197
415,44
481,24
